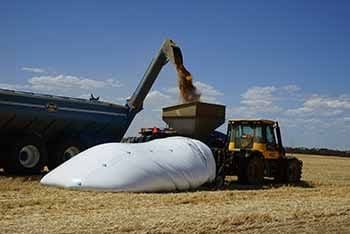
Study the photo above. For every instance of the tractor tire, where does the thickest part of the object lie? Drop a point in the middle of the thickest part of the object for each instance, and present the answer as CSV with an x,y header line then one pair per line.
x,y
242,175
64,151
280,176
219,182
255,171
27,155
293,170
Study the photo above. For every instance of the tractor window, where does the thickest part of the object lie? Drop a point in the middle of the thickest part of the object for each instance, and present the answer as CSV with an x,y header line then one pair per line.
x,y
244,135
258,134
231,133
242,131
270,137
247,132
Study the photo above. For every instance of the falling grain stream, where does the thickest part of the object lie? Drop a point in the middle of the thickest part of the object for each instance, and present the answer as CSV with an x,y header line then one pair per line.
x,y
188,91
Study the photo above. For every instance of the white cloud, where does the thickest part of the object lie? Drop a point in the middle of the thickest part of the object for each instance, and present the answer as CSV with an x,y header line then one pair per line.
x,y
272,102
208,92
253,112
317,101
317,105
67,82
261,100
172,90
258,97
64,85
15,87
207,89
291,88
33,69
122,99
156,99
68,85
258,92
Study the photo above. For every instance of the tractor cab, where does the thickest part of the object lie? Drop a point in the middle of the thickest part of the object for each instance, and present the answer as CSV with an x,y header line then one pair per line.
x,y
259,135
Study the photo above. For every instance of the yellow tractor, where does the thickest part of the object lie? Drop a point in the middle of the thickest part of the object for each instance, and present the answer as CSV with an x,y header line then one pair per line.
x,y
255,151
251,149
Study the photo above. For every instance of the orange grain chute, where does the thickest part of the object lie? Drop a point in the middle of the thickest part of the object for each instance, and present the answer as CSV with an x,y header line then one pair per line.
x,y
188,91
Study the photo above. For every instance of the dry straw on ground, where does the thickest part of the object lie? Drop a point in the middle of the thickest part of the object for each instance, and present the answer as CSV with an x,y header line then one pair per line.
x,y
321,203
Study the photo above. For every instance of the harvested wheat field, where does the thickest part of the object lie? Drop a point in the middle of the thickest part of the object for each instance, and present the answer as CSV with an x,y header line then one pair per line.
x,y
321,203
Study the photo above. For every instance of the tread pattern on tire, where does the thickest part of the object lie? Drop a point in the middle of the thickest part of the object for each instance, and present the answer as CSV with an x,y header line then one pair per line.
x,y
259,162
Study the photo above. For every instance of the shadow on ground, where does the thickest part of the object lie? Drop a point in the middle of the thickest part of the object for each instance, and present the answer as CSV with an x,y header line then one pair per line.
x,y
268,184
234,185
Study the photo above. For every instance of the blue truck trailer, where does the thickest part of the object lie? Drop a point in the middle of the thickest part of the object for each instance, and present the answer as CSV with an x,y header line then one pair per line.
x,y
38,130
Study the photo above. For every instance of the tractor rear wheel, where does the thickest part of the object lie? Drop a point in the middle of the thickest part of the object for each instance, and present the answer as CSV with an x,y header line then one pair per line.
x,y
280,176
293,170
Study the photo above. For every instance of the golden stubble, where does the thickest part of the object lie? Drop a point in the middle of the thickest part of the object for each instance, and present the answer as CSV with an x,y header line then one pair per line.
x,y
320,204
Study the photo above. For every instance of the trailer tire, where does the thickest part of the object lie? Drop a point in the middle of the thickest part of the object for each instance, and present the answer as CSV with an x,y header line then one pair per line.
x,y
27,156
3,155
63,151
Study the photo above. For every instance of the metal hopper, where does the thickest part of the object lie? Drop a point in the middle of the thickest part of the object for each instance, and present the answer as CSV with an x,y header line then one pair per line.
x,y
196,120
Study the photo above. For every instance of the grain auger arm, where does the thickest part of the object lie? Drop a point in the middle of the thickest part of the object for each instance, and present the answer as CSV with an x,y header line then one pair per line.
x,y
169,51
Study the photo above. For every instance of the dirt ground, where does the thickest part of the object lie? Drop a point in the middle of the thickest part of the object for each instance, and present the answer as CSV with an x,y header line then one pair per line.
x,y
319,204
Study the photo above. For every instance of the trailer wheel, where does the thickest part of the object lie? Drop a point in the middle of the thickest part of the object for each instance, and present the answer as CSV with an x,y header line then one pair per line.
x,y
27,156
63,152
255,171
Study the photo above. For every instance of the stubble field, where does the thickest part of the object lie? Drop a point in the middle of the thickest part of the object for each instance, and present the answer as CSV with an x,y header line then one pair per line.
x,y
320,203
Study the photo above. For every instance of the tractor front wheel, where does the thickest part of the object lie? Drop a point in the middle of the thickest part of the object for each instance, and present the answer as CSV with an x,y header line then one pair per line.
x,y
255,171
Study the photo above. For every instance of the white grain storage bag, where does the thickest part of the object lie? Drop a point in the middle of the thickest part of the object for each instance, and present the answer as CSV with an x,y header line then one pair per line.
x,y
169,164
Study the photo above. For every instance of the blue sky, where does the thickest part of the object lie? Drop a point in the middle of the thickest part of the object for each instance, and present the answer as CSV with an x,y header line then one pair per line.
x,y
286,60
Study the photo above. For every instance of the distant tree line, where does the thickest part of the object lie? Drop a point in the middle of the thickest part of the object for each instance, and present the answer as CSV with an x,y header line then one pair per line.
x,y
318,151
